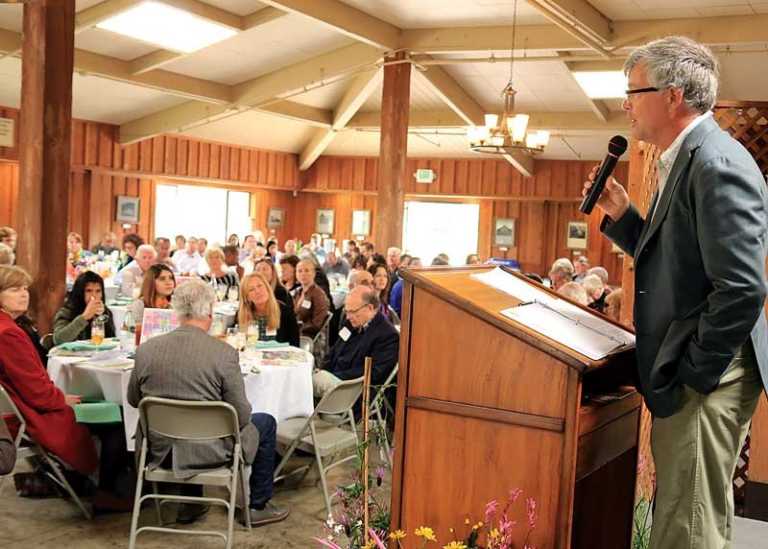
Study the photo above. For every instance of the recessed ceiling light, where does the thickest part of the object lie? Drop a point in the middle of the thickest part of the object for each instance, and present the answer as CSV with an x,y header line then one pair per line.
x,y
602,84
168,27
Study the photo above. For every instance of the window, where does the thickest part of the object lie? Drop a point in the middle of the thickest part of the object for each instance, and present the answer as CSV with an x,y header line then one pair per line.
x,y
431,228
201,211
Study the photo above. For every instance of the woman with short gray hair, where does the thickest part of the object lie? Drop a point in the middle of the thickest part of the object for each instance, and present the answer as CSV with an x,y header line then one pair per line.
x,y
193,300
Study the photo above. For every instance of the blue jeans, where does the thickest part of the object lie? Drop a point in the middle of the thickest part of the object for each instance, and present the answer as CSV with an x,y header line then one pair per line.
x,y
263,467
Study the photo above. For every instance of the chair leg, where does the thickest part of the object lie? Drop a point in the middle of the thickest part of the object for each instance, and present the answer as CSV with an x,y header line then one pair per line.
x,y
61,480
383,428
246,488
323,483
158,505
137,499
232,501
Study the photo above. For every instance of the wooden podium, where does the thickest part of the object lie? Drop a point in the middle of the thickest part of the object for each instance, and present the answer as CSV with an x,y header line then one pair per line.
x,y
486,405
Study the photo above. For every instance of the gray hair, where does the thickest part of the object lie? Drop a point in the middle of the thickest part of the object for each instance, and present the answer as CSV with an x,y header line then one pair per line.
x,y
146,248
193,300
599,271
679,62
562,265
7,257
369,296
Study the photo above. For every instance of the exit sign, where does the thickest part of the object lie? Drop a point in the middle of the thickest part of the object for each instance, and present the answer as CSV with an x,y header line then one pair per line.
x,y
425,176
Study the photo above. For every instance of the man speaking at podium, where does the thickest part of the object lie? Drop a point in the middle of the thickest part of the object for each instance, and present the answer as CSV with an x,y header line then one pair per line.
x,y
702,337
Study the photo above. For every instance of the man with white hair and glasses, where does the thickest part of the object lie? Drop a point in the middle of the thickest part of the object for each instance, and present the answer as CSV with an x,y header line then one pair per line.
x,y
189,364
699,256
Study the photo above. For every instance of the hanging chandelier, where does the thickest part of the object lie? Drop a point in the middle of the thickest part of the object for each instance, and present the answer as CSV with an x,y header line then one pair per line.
x,y
508,132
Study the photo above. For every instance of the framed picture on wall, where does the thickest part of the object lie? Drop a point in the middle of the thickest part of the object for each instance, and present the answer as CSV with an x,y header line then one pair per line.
x,y
577,235
324,221
504,232
275,218
361,222
127,209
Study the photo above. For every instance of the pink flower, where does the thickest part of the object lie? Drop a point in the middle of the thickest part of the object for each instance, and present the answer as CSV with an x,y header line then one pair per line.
x,y
377,539
490,509
514,494
530,504
326,543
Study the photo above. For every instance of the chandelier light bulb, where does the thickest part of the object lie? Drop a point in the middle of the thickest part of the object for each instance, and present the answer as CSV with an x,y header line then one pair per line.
x,y
491,120
518,127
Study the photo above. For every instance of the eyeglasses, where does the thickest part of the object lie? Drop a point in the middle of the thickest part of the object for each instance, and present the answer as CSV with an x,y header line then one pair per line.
x,y
355,311
629,93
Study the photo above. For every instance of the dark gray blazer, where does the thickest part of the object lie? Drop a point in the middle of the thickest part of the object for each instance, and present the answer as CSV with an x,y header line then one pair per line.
x,y
699,269
188,364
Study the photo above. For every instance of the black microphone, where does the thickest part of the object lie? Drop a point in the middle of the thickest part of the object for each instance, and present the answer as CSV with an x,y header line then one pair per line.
x,y
616,147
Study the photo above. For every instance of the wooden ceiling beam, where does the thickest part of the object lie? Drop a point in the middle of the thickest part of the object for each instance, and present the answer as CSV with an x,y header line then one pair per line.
x,y
312,116
457,99
599,107
579,19
357,93
256,93
521,162
346,19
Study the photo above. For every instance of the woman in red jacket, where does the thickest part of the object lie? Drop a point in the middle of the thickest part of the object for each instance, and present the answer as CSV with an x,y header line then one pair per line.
x,y
47,411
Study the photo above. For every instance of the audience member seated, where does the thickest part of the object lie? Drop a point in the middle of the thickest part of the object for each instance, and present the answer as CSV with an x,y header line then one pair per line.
x,y
202,267
233,240
273,252
375,259
350,251
132,275
232,260
574,291
7,257
46,410
217,276
473,259
561,273
381,282
310,303
396,295
613,304
603,274
275,318
321,280
75,252
163,249
366,250
181,244
290,247
202,246
16,306
359,264
359,278
156,292
439,260
188,260
249,245
131,243
288,264
249,263
595,292
335,266
84,303
107,245
580,267
7,450
393,258
189,364
365,333
8,237
267,269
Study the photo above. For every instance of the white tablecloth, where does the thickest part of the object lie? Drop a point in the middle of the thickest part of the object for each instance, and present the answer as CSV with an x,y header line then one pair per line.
x,y
281,391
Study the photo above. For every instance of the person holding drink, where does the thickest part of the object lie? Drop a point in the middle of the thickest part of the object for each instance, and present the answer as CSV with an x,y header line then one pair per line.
x,y
156,291
84,314
225,284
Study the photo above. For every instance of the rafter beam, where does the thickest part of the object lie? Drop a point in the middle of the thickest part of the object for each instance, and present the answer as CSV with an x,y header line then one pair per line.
x,y
255,93
732,30
559,123
312,116
521,162
579,19
346,19
157,59
457,99
357,93
599,107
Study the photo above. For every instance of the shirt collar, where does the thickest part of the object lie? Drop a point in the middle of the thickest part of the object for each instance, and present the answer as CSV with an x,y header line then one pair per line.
x,y
668,157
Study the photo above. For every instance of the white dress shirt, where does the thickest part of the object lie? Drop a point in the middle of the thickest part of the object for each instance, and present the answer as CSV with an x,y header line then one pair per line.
x,y
186,262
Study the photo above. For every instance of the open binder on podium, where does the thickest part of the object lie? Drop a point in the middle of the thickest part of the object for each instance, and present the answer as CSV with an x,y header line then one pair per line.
x,y
557,319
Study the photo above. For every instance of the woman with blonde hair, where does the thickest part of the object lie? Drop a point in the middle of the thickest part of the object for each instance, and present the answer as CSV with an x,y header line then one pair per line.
x,y
217,276
275,319
267,269
310,304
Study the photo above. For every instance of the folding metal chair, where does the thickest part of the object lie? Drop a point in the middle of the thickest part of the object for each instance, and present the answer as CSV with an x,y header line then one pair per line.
x,y
322,436
378,410
196,421
28,448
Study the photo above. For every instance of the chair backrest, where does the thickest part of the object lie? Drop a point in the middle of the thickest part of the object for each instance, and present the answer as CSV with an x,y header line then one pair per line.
x,y
341,398
381,390
188,419
7,407
323,332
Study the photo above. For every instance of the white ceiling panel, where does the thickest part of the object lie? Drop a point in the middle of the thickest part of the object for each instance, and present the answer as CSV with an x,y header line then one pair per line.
x,y
410,14
622,10
112,44
238,7
260,50
11,16
257,129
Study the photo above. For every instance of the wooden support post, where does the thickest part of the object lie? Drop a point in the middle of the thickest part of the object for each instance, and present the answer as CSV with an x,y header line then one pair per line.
x,y
393,150
44,151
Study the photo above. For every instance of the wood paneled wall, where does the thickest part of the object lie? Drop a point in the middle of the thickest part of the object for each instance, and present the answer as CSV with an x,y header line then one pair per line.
x,y
9,190
542,205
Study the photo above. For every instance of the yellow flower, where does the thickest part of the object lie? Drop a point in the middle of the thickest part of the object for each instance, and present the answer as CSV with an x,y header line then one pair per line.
x,y
396,535
455,545
494,533
478,526
426,533
370,545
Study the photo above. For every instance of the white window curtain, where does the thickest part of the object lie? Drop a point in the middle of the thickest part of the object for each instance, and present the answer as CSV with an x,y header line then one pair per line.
x,y
431,228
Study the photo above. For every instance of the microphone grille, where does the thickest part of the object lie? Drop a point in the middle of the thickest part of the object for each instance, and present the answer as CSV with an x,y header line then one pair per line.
x,y
617,145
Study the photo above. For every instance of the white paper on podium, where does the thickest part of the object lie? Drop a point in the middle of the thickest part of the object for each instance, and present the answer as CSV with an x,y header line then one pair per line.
x,y
510,284
573,327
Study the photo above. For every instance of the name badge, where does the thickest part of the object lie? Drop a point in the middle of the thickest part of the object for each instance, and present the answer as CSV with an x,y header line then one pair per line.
x,y
306,304
344,333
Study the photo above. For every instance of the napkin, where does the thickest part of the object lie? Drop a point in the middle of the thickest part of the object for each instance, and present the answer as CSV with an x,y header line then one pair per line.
x,y
97,412
87,346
